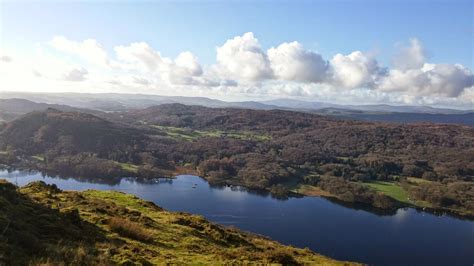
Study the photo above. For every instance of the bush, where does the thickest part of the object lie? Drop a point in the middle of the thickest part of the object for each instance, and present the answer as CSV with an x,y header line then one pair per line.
x,y
430,176
129,229
282,257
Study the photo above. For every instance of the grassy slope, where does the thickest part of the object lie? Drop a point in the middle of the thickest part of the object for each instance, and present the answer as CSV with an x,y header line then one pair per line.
x,y
188,134
132,168
313,191
391,189
41,224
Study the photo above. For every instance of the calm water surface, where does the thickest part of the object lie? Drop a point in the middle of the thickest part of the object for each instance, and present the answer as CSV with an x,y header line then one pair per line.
x,y
407,238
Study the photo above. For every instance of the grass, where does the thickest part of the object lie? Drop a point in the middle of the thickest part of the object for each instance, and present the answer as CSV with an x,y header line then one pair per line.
x,y
416,180
397,192
305,189
53,227
38,158
312,191
129,229
133,168
391,189
189,134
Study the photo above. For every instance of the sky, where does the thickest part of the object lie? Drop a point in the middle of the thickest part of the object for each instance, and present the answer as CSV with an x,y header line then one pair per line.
x,y
350,52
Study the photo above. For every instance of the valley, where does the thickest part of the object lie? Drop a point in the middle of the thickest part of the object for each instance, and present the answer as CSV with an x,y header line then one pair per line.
x,y
273,150
49,226
329,227
205,132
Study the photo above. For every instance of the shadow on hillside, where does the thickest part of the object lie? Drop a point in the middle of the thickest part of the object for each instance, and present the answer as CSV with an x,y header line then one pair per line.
x,y
32,233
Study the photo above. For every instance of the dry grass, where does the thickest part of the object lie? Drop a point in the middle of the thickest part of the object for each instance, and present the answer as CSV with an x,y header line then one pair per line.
x,y
312,191
129,229
54,227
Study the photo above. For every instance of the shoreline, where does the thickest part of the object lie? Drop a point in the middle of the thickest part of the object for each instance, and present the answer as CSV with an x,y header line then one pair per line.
x,y
186,170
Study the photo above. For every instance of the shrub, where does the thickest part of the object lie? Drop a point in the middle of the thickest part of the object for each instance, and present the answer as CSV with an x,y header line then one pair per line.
x,y
129,229
282,257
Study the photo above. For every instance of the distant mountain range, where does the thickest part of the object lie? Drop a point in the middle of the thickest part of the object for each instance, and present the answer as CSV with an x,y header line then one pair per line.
x,y
12,108
20,103
297,104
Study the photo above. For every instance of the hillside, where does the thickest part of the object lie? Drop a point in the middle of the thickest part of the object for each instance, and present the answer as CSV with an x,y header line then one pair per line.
x,y
71,143
15,107
66,132
39,224
466,118
112,102
272,150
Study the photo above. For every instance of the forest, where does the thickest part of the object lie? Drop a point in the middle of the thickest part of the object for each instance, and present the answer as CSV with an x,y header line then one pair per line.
x,y
272,150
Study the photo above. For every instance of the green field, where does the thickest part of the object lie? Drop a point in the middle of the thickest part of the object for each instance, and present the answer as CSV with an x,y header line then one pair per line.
x,y
129,167
189,134
391,189
416,180
38,157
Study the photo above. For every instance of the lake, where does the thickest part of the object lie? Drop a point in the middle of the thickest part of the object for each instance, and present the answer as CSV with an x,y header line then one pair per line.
x,y
407,237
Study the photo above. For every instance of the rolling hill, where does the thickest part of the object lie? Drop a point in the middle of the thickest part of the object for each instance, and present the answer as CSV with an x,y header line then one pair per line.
x,y
268,150
11,107
44,225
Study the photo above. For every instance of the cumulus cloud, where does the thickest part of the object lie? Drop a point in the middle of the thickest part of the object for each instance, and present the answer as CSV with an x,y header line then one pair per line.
x,y
180,71
468,95
229,83
355,70
290,61
183,70
410,56
139,52
37,73
76,74
242,57
140,80
89,50
413,76
188,62
5,58
429,80
243,68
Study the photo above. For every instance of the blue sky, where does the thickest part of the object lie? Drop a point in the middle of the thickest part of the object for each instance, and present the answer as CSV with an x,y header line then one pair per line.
x,y
444,28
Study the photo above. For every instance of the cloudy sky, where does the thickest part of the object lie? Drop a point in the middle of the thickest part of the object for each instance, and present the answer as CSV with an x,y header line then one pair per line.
x,y
357,52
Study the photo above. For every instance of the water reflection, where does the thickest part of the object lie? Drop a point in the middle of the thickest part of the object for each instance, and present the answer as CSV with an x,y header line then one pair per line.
x,y
336,229
116,181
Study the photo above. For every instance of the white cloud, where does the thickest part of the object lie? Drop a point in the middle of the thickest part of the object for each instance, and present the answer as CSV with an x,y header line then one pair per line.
x,y
76,74
243,69
468,95
414,77
189,62
139,52
243,58
138,80
410,56
180,71
430,80
183,70
355,70
5,58
89,50
290,61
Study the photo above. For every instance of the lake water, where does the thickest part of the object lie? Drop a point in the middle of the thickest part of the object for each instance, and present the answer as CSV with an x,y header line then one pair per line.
x,y
408,237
